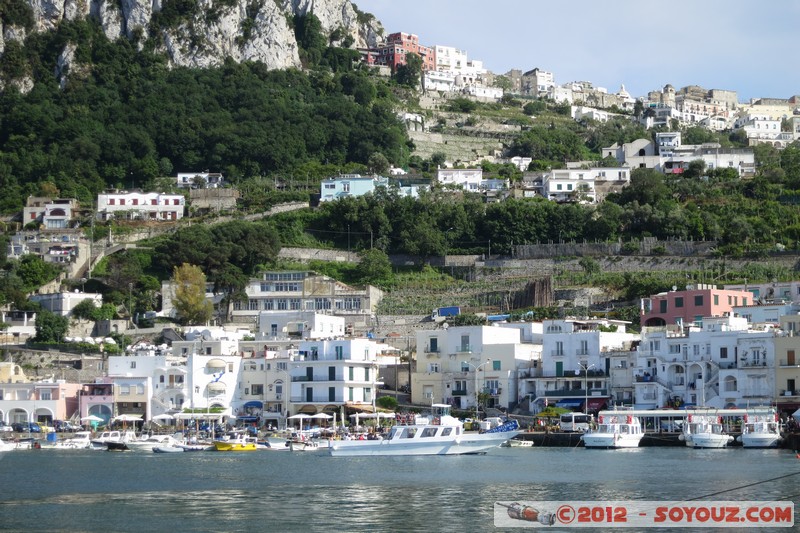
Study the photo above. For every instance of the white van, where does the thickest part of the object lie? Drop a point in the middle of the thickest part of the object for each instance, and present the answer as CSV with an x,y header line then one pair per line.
x,y
575,422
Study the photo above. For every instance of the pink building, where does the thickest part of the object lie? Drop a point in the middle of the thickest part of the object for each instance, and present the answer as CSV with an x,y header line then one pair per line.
x,y
691,305
393,52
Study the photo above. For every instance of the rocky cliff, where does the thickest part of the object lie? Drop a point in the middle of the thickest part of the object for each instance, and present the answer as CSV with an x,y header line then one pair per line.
x,y
202,33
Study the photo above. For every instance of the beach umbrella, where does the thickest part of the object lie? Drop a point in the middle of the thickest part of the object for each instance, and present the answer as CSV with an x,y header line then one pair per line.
x,y
91,418
164,416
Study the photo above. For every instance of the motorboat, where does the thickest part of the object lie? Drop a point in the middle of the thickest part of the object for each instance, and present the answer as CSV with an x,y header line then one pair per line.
x,y
436,434
115,438
146,445
517,443
168,448
6,446
81,440
236,443
304,445
760,431
704,431
614,430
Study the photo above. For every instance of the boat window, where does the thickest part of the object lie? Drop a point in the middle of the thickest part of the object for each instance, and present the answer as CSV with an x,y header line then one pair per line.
x,y
428,432
446,432
409,433
392,433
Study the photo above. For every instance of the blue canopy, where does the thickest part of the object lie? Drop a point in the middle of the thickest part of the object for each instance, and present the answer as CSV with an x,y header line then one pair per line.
x,y
254,404
569,402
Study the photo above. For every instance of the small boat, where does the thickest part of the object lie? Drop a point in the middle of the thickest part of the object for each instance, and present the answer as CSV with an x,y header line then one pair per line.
x,y
304,445
518,443
435,434
6,446
101,442
236,443
704,431
82,440
151,441
168,448
113,446
614,430
196,447
760,431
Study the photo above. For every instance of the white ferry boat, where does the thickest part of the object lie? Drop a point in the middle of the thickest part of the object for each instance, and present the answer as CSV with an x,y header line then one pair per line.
x,y
705,431
760,431
614,430
437,434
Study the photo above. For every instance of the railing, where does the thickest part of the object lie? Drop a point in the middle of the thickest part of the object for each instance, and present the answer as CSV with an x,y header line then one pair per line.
x,y
752,364
296,379
785,362
649,396
464,348
317,399
557,353
459,393
429,350
581,351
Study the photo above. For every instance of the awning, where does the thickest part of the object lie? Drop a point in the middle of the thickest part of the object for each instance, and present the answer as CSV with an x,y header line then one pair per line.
x,y
246,418
595,404
255,404
569,402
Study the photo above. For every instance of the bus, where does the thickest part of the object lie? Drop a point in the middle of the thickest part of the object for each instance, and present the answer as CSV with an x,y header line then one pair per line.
x,y
575,422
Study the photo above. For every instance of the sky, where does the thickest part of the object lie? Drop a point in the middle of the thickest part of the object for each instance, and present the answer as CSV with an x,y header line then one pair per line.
x,y
747,46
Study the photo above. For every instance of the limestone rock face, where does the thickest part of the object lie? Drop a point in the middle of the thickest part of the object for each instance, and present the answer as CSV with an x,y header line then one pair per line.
x,y
243,30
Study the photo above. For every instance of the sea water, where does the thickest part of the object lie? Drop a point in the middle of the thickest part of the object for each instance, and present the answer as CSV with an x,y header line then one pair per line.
x,y
84,490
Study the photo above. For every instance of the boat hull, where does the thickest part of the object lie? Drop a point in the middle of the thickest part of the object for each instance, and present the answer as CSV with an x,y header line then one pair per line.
x,y
464,444
708,440
763,440
167,449
611,440
235,446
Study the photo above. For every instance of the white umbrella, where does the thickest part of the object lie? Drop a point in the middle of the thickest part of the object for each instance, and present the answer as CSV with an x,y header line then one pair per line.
x,y
91,418
322,416
128,418
164,416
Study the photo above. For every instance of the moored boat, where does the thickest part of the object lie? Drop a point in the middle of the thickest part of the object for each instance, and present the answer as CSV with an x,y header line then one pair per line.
x,y
114,437
6,446
760,431
238,443
436,434
81,440
705,431
614,430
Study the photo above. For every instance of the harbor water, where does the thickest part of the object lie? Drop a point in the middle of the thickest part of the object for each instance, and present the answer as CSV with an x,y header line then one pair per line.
x,y
83,490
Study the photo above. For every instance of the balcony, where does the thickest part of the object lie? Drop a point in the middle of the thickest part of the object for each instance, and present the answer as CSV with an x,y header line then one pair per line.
x,y
464,348
790,364
459,392
752,364
557,353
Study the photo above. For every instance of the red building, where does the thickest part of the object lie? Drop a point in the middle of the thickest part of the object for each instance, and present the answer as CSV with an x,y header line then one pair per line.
x,y
691,305
393,52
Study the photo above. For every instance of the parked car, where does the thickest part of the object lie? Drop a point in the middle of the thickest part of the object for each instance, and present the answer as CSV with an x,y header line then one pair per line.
x,y
5,428
65,425
26,427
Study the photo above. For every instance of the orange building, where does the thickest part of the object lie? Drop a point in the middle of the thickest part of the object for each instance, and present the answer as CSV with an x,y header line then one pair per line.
x,y
690,305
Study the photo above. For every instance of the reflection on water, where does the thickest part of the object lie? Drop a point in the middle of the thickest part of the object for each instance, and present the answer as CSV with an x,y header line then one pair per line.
x,y
282,491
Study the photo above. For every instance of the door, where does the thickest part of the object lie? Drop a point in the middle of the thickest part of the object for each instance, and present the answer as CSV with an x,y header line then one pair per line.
x,y
331,373
309,374
559,369
310,394
331,394
790,358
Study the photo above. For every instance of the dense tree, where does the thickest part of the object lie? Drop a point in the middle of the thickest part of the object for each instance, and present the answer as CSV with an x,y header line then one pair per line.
x,y
408,74
190,301
50,327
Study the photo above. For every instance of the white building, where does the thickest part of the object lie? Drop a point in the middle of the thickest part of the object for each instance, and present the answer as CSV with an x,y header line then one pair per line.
x,y
456,364
468,179
62,303
140,205
331,375
299,325
200,180
580,185
577,358
722,363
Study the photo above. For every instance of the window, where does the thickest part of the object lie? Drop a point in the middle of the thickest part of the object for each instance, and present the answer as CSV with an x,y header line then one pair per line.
x,y
674,348
698,300
230,367
723,352
495,365
433,367
679,302
351,373
252,305
559,348
140,388
161,379
111,201
257,389
45,395
281,366
662,306
464,366
124,390
460,385
339,352
133,364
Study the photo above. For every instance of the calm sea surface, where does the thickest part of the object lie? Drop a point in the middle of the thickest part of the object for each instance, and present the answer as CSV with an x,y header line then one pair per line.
x,y
49,490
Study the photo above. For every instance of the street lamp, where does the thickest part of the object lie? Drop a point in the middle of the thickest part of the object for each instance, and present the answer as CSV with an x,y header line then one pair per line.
x,y
477,368
585,369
